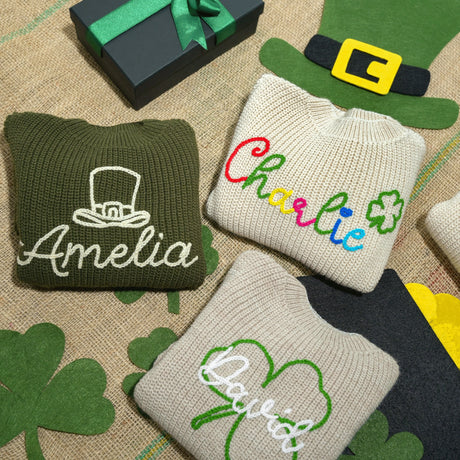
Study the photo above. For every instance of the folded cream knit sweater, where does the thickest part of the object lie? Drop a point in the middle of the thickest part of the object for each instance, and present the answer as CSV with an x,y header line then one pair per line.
x,y
443,222
326,187
259,375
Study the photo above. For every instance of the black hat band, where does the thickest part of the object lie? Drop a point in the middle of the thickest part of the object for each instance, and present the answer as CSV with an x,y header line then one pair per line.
x,y
408,80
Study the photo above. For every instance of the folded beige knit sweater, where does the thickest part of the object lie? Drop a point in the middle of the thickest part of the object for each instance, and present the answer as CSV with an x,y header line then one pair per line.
x,y
443,222
259,375
326,187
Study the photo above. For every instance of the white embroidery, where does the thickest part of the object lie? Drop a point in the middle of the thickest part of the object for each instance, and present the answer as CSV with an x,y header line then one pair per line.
x,y
117,253
111,213
236,391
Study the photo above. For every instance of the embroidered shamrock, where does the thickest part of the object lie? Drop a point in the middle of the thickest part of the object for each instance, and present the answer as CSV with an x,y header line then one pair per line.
x,y
72,401
143,351
372,442
226,373
212,260
385,212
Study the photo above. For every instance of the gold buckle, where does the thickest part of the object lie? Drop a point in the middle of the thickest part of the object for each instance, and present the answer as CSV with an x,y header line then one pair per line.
x,y
384,72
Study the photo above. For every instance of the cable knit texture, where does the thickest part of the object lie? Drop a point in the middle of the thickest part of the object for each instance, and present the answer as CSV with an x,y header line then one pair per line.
x,y
324,186
443,222
282,351
100,207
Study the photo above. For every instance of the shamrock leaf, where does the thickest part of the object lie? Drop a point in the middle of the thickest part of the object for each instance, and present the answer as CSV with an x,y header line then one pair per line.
x,y
225,358
173,302
212,260
371,442
72,401
210,254
128,297
143,351
385,212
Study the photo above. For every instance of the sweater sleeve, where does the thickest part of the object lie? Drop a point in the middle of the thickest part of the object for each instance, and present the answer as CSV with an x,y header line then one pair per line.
x,y
20,127
10,127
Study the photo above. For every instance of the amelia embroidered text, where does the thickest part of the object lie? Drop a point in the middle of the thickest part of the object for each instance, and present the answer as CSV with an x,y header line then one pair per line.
x,y
60,255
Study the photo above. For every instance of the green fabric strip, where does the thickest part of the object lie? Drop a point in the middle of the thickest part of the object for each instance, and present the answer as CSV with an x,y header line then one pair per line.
x,y
122,19
223,24
155,448
160,450
429,171
142,454
187,15
34,23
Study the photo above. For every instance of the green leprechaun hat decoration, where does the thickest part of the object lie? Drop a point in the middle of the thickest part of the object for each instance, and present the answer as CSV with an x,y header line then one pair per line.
x,y
374,55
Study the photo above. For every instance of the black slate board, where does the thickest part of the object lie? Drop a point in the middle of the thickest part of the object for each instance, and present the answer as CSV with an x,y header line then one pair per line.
x,y
426,398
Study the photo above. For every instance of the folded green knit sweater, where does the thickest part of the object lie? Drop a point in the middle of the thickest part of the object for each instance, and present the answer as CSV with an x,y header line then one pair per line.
x,y
102,207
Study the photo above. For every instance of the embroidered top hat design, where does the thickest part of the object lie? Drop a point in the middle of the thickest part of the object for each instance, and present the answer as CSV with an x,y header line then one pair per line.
x,y
112,213
374,55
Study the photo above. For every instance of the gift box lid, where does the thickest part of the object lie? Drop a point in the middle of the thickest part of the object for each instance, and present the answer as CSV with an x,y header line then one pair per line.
x,y
151,49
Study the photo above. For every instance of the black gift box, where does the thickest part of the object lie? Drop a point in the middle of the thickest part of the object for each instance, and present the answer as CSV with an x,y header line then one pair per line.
x,y
148,59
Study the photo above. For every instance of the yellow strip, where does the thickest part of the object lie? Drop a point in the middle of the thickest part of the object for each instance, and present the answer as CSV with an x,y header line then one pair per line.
x,y
156,448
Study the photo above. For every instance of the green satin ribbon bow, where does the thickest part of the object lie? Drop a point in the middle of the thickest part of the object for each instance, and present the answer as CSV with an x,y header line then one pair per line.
x,y
186,14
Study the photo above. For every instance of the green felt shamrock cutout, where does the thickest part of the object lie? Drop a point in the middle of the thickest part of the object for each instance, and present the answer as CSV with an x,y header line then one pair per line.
x,y
212,260
228,409
72,401
385,212
128,297
210,254
143,351
371,442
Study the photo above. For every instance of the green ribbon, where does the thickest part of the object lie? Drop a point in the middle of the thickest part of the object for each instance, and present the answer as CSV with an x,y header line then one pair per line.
x,y
187,16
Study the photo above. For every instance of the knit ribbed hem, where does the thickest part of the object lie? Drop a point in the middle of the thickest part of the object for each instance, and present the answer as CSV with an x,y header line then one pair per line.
x,y
135,134
442,223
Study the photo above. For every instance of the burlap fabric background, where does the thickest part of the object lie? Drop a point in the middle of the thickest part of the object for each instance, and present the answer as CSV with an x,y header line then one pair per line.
x,y
44,68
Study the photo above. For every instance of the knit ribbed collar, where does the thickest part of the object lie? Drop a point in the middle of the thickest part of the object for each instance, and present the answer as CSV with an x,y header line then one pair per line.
x,y
129,135
355,124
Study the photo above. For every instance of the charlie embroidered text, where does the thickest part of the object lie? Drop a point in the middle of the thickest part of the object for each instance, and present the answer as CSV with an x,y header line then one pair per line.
x,y
383,213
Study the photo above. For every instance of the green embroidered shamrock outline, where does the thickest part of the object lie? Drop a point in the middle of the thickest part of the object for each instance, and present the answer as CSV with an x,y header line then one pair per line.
x,y
143,352
371,442
226,410
32,395
212,261
379,220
